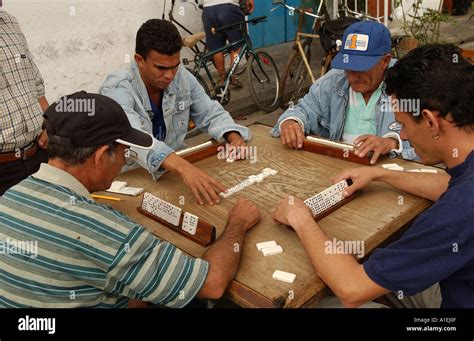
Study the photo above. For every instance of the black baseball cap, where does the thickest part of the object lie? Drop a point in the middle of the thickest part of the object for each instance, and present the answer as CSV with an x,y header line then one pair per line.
x,y
85,119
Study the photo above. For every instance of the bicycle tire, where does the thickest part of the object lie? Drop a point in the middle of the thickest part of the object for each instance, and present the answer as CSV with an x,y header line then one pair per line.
x,y
267,99
296,80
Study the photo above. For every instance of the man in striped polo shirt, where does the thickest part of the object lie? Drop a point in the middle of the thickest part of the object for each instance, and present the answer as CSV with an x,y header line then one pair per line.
x,y
59,248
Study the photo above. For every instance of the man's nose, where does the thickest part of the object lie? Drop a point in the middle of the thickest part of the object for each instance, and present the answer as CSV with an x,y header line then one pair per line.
x,y
169,75
351,75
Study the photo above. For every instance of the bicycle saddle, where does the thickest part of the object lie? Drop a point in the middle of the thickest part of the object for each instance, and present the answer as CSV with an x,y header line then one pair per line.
x,y
191,41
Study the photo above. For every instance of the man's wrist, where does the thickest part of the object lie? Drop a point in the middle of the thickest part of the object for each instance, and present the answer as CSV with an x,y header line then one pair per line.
x,y
237,225
294,119
231,135
300,219
175,163
397,142
379,173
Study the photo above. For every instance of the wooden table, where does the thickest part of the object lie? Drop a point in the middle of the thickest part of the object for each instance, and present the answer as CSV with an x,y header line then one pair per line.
x,y
372,217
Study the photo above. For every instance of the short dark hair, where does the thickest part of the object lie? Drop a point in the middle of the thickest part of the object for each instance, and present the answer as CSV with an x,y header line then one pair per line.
x,y
75,156
439,77
158,35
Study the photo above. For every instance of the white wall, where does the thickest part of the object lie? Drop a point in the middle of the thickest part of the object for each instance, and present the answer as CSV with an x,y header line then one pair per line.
x,y
76,43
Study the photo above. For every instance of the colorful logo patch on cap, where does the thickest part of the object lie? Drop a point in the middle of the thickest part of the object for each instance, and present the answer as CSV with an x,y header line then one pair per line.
x,y
357,42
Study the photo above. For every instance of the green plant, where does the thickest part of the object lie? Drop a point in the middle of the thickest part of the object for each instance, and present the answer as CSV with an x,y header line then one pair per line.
x,y
425,23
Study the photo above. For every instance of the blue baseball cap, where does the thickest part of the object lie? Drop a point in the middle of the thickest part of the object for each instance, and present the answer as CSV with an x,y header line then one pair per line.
x,y
364,43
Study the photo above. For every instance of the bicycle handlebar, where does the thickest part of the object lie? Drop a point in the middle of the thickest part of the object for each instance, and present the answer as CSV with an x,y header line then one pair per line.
x,y
252,21
362,15
295,9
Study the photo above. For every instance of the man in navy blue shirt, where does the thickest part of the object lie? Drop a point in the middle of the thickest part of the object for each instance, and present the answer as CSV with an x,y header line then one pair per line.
x,y
432,264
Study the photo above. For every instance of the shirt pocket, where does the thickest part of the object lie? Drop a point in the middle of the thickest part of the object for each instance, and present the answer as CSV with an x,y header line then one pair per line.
x,y
181,115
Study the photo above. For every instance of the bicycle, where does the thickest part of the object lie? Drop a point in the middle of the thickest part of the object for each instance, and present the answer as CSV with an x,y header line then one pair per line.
x,y
264,81
298,75
195,41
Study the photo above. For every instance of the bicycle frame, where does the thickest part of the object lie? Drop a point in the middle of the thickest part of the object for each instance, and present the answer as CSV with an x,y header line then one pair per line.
x,y
202,61
299,34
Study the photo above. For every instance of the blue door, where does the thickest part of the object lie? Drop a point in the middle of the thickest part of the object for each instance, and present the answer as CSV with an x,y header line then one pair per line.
x,y
280,26
271,32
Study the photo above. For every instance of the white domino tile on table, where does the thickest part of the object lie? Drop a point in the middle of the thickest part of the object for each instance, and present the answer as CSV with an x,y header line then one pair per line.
x,y
127,190
252,179
427,170
263,245
161,209
272,250
118,185
190,223
390,165
423,170
283,276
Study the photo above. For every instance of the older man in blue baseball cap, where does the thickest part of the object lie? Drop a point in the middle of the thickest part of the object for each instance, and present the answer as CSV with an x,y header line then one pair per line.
x,y
348,104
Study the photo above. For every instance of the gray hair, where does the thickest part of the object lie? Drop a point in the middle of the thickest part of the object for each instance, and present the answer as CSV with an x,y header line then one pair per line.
x,y
75,156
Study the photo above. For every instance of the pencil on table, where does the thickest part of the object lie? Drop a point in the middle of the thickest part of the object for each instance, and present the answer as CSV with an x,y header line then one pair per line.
x,y
96,196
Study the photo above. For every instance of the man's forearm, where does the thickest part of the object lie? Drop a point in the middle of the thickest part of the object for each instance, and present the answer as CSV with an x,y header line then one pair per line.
x,y
223,257
425,185
175,163
341,272
334,269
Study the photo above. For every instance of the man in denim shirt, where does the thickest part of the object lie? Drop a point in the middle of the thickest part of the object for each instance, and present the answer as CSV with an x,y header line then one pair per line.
x,y
349,104
160,96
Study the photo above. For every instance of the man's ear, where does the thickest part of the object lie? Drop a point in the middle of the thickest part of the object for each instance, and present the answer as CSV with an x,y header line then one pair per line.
x,y
139,60
386,60
431,120
100,155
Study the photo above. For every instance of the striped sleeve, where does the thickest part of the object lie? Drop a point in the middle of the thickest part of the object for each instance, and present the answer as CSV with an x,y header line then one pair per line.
x,y
152,270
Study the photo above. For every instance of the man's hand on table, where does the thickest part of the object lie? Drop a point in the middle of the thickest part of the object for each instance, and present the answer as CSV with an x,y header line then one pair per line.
x,y
236,141
376,144
202,185
243,214
291,210
291,134
361,177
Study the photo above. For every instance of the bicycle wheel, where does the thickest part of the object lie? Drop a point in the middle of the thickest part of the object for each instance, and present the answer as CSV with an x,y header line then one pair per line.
x,y
296,80
263,80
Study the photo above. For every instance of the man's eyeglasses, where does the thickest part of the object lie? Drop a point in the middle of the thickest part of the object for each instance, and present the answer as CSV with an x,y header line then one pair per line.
x,y
395,126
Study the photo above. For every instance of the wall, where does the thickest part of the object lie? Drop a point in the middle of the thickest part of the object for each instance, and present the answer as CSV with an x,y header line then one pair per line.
x,y
77,43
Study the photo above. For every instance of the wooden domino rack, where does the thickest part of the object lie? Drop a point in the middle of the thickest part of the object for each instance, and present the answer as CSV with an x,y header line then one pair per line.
x,y
334,149
201,151
205,232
